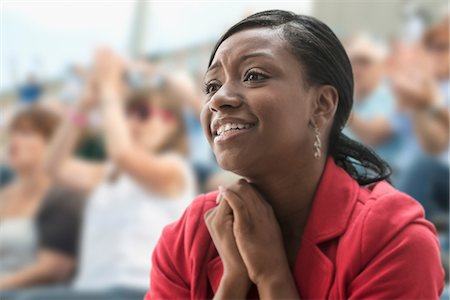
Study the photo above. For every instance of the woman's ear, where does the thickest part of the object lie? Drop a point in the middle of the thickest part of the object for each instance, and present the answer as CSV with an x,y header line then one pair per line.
x,y
324,105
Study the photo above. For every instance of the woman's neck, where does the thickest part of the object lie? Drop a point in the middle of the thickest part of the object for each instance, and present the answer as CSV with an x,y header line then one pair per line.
x,y
290,190
32,181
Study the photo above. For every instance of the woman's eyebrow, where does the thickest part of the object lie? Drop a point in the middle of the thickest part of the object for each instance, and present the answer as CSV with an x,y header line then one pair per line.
x,y
243,58
255,54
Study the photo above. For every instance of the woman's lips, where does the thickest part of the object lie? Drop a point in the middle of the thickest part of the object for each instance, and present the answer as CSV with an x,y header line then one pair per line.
x,y
224,135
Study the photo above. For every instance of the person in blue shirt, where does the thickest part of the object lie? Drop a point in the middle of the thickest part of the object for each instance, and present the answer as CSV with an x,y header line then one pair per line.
x,y
30,91
375,119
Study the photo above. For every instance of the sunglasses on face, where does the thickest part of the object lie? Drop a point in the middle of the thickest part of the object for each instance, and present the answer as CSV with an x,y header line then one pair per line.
x,y
139,111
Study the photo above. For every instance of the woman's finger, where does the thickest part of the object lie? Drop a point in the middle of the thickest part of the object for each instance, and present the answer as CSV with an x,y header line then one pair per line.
x,y
253,199
240,212
209,214
223,208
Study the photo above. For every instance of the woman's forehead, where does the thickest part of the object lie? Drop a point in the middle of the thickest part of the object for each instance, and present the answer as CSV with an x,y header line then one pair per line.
x,y
249,41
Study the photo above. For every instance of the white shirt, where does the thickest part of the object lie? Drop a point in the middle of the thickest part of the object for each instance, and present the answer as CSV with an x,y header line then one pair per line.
x,y
18,244
122,224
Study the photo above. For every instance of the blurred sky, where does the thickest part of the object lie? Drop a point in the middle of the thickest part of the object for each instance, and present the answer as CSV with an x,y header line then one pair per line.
x,y
50,35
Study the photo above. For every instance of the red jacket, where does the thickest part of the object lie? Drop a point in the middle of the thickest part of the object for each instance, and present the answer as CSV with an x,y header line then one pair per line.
x,y
359,243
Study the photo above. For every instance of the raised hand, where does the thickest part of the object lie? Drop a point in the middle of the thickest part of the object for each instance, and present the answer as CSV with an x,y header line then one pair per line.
x,y
411,78
108,72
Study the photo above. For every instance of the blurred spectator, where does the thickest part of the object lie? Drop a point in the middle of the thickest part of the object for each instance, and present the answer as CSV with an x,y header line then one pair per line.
x,y
374,109
36,248
421,85
30,91
145,185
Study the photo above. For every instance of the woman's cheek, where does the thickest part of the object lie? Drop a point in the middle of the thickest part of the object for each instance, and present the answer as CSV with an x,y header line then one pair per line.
x,y
38,149
205,120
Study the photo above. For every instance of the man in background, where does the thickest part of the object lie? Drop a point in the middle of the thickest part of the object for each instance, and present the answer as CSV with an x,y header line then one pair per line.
x,y
374,107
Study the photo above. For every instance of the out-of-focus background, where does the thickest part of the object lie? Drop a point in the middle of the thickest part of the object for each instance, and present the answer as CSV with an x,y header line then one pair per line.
x,y
72,226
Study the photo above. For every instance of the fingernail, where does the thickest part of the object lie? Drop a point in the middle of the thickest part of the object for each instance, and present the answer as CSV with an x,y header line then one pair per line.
x,y
221,189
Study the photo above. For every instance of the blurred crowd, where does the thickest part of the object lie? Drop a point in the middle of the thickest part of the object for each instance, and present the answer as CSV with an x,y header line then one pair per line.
x,y
93,176
95,170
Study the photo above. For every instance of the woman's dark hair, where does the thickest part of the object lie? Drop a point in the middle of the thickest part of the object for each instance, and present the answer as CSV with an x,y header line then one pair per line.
x,y
325,62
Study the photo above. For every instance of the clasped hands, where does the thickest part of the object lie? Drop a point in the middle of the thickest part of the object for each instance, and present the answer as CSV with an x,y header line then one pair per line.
x,y
248,238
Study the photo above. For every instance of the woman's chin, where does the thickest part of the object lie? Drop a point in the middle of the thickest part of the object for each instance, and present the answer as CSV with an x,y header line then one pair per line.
x,y
235,166
227,163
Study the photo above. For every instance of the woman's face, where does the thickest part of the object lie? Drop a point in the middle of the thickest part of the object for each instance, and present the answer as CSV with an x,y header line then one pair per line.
x,y
256,85
26,149
150,125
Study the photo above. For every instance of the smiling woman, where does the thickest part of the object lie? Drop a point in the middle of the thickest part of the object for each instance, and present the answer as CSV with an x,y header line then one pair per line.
x,y
313,215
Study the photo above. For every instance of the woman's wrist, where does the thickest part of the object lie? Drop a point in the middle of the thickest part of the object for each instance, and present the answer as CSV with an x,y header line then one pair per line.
x,y
277,285
233,287
278,267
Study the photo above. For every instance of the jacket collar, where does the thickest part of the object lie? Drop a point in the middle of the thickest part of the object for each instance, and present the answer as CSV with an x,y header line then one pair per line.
x,y
332,206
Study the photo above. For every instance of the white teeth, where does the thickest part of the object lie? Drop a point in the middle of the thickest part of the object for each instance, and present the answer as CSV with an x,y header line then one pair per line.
x,y
231,126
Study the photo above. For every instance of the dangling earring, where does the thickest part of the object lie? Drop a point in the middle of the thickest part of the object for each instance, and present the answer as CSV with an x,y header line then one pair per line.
x,y
317,143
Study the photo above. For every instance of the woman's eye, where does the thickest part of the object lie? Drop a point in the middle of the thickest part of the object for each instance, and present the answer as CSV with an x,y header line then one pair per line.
x,y
211,88
255,76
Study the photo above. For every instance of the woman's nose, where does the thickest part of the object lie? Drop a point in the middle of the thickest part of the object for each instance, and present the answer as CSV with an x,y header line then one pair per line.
x,y
225,98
